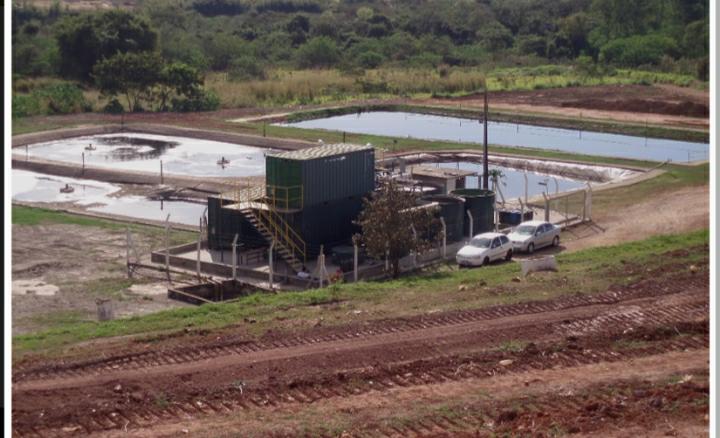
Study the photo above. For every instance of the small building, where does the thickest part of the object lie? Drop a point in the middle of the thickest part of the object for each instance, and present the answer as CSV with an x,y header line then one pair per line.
x,y
445,179
311,198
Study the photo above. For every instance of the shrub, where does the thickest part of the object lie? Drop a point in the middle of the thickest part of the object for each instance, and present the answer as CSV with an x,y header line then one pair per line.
x,y
245,68
639,50
63,98
370,59
24,105
318,52
113,107
201,101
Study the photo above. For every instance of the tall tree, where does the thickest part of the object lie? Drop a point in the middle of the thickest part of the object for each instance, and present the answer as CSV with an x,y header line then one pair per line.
x,y
84,40
387,222
132,75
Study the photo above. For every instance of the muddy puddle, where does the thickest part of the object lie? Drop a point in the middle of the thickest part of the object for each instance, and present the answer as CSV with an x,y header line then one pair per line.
x,y
430,127
143,152
99,197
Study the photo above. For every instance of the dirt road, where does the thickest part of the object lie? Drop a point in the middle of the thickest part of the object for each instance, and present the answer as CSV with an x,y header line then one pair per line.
x,y
655,104
176,386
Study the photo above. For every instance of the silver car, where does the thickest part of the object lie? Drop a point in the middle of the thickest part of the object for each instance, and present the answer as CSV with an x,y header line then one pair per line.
x,y
531,235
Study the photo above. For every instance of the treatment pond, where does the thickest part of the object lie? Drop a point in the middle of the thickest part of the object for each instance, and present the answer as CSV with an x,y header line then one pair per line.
x,y
430,127
143,152
101,197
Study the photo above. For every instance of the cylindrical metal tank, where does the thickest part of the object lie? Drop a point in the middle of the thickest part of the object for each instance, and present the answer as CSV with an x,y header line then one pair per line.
x,y
481,205
452,209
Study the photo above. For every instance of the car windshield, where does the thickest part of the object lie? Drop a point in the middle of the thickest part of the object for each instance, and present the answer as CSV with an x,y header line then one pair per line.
x,y
525,229
481,242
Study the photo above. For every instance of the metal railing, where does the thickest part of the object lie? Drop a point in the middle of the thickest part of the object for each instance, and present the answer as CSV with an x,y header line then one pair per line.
x,y
266,202
285,197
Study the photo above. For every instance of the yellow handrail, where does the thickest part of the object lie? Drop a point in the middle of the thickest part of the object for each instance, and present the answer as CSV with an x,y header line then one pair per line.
x,y
270,218
285,197
282,231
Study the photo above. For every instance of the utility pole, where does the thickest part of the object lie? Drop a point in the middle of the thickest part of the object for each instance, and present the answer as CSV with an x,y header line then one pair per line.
x,y
485,144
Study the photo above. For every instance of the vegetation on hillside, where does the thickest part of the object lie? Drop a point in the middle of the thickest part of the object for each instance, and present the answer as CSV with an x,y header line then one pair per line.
x,y
254,41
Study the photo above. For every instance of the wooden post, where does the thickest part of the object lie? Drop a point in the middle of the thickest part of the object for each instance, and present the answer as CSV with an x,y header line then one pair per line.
x,y
344,136
264,129
161,173
234,258
83,163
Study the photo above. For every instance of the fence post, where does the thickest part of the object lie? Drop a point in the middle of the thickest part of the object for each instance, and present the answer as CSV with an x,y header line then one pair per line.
x,y
167,246
470,223
161,173
547,207
588,202
234,258
412,227
444,241
270,259
355,262
127,252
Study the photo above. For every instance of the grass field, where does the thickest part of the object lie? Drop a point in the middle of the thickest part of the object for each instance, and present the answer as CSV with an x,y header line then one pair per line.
x,y
445,288
22,215
305,87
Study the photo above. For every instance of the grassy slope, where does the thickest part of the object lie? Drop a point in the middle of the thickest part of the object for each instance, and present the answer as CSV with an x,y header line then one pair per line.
x,y
22,215
580,272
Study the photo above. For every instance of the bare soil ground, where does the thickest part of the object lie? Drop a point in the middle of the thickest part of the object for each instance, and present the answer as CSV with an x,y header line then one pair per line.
x,y
654,104
533,366
84,264
669,212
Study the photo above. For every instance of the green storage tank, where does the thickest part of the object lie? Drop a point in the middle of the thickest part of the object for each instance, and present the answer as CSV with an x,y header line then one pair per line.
x,y
452,209
481,205
320,174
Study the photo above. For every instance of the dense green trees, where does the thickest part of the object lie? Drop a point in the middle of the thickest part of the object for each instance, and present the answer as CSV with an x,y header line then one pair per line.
x,y
83,40
247,38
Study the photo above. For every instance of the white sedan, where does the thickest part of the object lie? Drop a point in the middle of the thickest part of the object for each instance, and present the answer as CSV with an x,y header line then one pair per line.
x,y
531,235
485,248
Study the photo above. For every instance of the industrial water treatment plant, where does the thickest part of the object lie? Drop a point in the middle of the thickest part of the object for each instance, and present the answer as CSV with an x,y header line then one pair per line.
x,y
312,197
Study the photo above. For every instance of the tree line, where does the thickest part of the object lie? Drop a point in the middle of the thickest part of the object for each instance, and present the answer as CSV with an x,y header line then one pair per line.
x,y
245,38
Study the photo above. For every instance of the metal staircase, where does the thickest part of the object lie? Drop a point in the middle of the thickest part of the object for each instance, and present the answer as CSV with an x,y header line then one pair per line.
x,y
264,213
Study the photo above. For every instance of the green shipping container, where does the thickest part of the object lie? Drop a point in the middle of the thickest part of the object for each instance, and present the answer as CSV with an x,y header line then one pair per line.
x,y
320,174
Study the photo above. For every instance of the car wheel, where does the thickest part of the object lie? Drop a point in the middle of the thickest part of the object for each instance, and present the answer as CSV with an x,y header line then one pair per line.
x,y
556,241
531,248
486,261
508,256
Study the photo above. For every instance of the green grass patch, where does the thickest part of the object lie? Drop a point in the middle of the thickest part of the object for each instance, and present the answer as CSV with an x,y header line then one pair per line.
x,y
587,271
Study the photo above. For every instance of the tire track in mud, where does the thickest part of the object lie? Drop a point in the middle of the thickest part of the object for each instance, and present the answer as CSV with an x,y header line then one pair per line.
x,y
183,355
479,366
